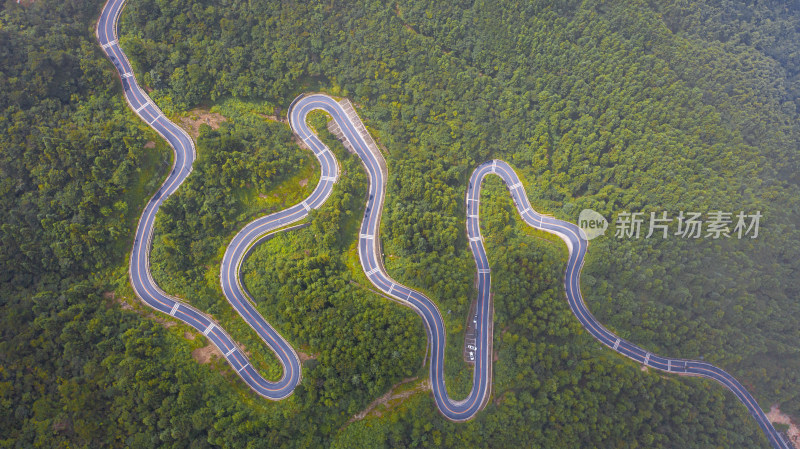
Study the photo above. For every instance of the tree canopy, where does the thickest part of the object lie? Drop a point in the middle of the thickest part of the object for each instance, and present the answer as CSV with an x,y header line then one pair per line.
x,y
609,105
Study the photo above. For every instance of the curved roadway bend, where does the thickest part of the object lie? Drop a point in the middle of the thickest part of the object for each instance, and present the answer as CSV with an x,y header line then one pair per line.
x,y
369,254
141,279
577,244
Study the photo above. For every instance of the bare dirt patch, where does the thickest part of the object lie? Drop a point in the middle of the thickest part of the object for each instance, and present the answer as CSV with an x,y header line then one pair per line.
x,y
391,399
150,144
274,118
244,350
206,354
776,416
121,301
166,323
304,356
299,142
197,117
303,182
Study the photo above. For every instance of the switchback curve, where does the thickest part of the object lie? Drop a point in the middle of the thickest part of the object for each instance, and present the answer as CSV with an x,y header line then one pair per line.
x,y
577,244
358,139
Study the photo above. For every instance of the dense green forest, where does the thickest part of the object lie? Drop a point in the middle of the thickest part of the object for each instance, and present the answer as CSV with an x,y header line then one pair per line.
x,y
615,106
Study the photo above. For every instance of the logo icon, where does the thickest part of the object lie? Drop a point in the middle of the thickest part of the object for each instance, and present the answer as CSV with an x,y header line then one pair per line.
x,y
592,223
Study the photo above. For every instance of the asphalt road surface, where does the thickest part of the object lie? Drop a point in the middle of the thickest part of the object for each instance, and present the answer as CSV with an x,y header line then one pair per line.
x,y
577,244
358,140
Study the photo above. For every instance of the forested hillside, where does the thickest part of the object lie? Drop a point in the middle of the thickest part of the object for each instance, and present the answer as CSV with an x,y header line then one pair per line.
x,y
610,105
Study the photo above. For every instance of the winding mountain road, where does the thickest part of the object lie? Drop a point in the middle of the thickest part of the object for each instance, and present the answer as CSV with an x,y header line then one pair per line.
x,y
358,140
